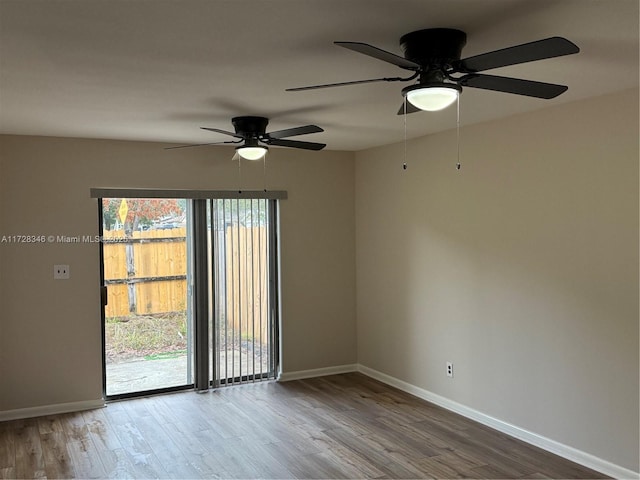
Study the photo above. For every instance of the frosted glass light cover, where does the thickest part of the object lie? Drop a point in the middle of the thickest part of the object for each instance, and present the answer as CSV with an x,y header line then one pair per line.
x,y
252,153
432,99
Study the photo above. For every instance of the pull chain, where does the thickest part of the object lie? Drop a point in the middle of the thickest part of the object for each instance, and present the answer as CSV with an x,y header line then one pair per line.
x,y
404,104
458,166
239,174
264,171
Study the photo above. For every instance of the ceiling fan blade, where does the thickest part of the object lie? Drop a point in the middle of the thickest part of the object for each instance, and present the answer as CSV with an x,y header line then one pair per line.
x,y
292,132
527,52
196,145
513,85
225,132
411,108
354,82
380,54
296,144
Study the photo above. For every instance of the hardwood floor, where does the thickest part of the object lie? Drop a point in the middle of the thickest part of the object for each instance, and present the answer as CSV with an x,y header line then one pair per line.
x,y
342,426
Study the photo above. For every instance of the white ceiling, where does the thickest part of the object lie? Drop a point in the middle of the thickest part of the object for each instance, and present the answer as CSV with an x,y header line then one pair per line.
x,y
157,70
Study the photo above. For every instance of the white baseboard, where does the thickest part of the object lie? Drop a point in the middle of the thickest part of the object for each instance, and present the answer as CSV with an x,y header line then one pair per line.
x,y
565,451
317,372
50,409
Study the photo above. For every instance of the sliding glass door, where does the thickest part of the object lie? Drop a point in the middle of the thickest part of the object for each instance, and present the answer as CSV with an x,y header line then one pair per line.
x,y
189,293
147,314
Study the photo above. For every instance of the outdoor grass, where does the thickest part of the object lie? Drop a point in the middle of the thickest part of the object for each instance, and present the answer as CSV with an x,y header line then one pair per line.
x,y
165,355
152,336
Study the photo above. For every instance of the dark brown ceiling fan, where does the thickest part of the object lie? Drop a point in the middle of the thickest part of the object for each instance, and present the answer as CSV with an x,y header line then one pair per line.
x,y
433,55
251,134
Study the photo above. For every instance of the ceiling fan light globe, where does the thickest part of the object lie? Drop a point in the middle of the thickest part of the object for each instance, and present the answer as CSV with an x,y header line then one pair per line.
x,y
432,99
252,153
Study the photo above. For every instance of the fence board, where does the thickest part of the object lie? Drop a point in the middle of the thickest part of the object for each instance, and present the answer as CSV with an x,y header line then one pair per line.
x,y
117,301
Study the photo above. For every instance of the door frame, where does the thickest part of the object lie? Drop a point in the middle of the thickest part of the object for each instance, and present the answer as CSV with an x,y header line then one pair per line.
x,y
274,278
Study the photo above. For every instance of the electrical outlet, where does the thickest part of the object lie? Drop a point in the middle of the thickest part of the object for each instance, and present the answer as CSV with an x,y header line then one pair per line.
x,y
449,369
61,272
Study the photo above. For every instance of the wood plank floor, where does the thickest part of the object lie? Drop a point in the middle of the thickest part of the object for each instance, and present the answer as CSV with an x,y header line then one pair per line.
x,y
341,426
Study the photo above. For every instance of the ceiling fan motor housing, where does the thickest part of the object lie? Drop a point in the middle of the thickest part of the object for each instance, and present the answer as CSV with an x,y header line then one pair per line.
x,y
250,126
433,47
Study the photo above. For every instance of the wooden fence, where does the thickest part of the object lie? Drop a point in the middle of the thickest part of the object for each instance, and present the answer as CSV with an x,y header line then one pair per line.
x,y
147,274
246,281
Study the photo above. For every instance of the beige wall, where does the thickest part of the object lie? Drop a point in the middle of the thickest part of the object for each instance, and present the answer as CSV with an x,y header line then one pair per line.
x,y
521,269
50,330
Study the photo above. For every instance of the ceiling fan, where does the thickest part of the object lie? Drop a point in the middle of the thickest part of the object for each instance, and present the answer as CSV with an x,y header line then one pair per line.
x,y
433,55
251,134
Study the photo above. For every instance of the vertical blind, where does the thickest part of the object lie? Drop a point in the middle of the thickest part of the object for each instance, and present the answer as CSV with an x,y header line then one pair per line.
x,y
243,312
